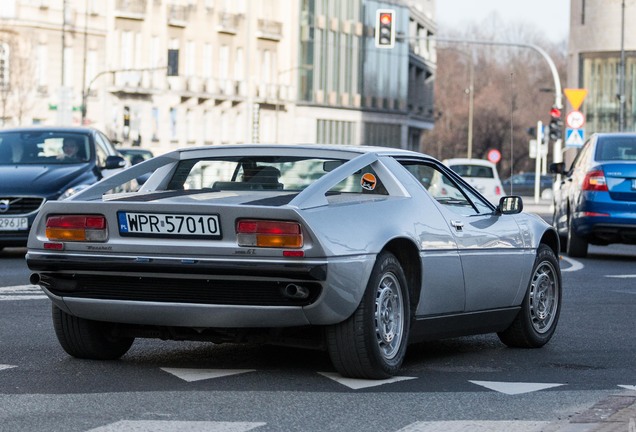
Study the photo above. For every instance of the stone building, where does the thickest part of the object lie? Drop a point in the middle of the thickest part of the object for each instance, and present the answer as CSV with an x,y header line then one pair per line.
x,y
174,73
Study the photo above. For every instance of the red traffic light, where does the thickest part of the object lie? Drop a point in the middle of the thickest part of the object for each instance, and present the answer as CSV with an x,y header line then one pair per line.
x,y
386,18
555,113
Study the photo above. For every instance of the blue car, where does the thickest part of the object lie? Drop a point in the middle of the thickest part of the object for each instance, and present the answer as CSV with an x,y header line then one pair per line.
x,y
39,164
595,202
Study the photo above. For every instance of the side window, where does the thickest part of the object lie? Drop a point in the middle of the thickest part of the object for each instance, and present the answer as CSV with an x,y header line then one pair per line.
x,y
100,151
444,189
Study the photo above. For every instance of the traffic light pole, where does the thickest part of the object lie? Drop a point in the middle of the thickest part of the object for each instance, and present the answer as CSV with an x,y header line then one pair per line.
x,y
558,99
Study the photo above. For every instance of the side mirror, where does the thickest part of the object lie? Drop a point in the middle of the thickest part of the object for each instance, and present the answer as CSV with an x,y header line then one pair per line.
x,y
114,162
557,168
510,205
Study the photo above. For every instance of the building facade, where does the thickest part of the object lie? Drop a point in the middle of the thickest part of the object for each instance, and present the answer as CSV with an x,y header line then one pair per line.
x,y
602,60
175,73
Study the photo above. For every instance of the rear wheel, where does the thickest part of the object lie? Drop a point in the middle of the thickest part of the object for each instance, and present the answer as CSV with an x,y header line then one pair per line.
x,y
372,342
576,245
88,339
537,320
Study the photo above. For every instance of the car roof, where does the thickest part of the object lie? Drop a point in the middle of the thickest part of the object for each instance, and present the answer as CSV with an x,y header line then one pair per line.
x,y
315,147
37,128
464,161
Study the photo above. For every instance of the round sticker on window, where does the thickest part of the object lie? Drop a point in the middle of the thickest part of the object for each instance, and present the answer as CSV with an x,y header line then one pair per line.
x,y
368,181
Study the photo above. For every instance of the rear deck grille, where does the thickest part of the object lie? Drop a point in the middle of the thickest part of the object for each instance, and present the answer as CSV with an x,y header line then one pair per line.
x,y
197,291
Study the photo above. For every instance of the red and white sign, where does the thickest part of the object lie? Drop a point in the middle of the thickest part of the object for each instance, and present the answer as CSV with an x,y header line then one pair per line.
x,y
494,155
575,119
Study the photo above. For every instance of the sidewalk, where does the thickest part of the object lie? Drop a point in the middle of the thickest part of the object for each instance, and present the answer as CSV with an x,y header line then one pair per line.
x,y
617,413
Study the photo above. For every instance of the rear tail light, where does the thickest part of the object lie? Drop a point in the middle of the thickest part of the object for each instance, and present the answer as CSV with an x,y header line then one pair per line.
x,y
76,228
269,233
595,181
497,190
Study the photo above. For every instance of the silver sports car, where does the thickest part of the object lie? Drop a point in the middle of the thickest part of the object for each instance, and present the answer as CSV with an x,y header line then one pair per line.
x,y
355,250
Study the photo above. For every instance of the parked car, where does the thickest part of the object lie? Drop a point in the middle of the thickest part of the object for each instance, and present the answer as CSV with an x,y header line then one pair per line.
x,y
335,247
135,154
597,195
38,165
524,184
481,174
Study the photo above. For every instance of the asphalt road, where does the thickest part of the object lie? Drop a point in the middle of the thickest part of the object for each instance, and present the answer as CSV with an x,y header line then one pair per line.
x,y
473,382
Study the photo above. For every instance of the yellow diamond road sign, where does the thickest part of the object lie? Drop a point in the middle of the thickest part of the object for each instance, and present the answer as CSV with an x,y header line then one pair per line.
x,y
575,97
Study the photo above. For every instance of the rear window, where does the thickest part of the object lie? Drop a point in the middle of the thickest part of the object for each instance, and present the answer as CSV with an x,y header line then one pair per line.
x,y
616,149
251,173
469,170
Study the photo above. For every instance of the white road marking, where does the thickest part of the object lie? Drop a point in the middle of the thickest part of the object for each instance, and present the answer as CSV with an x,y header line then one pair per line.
x,y
21,292
514,388
191,375
574,264
357,384
3,367
628,387
176,426
621,276
476,426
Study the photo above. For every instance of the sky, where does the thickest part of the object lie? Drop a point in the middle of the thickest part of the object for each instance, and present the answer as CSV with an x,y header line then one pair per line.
x,y
550,16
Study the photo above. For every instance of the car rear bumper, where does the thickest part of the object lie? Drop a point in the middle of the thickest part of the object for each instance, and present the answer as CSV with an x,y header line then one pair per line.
x,y
207,294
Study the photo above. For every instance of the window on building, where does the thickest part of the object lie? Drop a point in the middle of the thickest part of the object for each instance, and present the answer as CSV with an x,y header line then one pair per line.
x,y
239,68
190,56
207,60
224,62
42,65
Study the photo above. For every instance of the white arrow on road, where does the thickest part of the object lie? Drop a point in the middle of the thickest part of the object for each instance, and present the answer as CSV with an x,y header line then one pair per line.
x,y
357,384
514,388
191,375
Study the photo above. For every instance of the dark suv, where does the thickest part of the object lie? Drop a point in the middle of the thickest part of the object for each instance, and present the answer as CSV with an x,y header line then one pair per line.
x,y
47,163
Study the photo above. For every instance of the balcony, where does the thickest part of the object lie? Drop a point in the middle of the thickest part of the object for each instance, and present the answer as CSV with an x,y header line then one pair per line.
x,y
268,29
131,9
228,22
178,15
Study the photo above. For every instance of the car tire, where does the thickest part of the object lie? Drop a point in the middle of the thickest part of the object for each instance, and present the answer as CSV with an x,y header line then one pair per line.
x,y
88,339
371,343
536,322
576,245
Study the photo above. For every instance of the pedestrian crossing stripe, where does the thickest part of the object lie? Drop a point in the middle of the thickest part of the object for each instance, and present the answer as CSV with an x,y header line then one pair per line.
x,y
21,292
176,426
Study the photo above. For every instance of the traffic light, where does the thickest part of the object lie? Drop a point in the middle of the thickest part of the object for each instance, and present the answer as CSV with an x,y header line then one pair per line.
x,y
385,28
556,124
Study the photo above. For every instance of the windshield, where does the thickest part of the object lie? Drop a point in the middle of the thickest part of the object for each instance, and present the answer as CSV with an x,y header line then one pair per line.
x,y
40,147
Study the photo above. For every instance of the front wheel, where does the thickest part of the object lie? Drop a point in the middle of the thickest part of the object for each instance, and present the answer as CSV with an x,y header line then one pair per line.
x,y
88,339
372,342
537,320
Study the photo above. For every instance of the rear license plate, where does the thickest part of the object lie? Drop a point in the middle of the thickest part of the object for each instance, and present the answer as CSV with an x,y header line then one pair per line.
x,y
13,224
169,225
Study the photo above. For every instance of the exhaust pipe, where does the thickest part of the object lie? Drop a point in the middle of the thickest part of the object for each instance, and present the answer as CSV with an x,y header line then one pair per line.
x,y
34,279
294,291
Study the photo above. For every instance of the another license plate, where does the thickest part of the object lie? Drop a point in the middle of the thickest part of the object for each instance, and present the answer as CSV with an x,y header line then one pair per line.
x,y
13,224
169,225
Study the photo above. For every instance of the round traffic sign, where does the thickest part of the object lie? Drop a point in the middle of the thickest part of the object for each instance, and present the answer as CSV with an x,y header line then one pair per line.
x,y
575,119
494,155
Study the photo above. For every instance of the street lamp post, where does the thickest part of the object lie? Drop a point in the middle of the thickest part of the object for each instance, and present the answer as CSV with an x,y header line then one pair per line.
x,y
86,92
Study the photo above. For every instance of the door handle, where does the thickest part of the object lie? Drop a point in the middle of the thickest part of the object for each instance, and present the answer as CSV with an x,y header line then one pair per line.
x,y
458,225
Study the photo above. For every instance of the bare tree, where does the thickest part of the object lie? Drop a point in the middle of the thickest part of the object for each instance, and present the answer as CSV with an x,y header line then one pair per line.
x,y
17,95
512,90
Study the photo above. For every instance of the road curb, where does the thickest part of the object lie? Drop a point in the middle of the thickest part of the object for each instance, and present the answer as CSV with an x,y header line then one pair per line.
x,y
616,413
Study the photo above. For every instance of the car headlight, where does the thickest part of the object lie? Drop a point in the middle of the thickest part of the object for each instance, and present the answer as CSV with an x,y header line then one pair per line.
x,y
72,191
